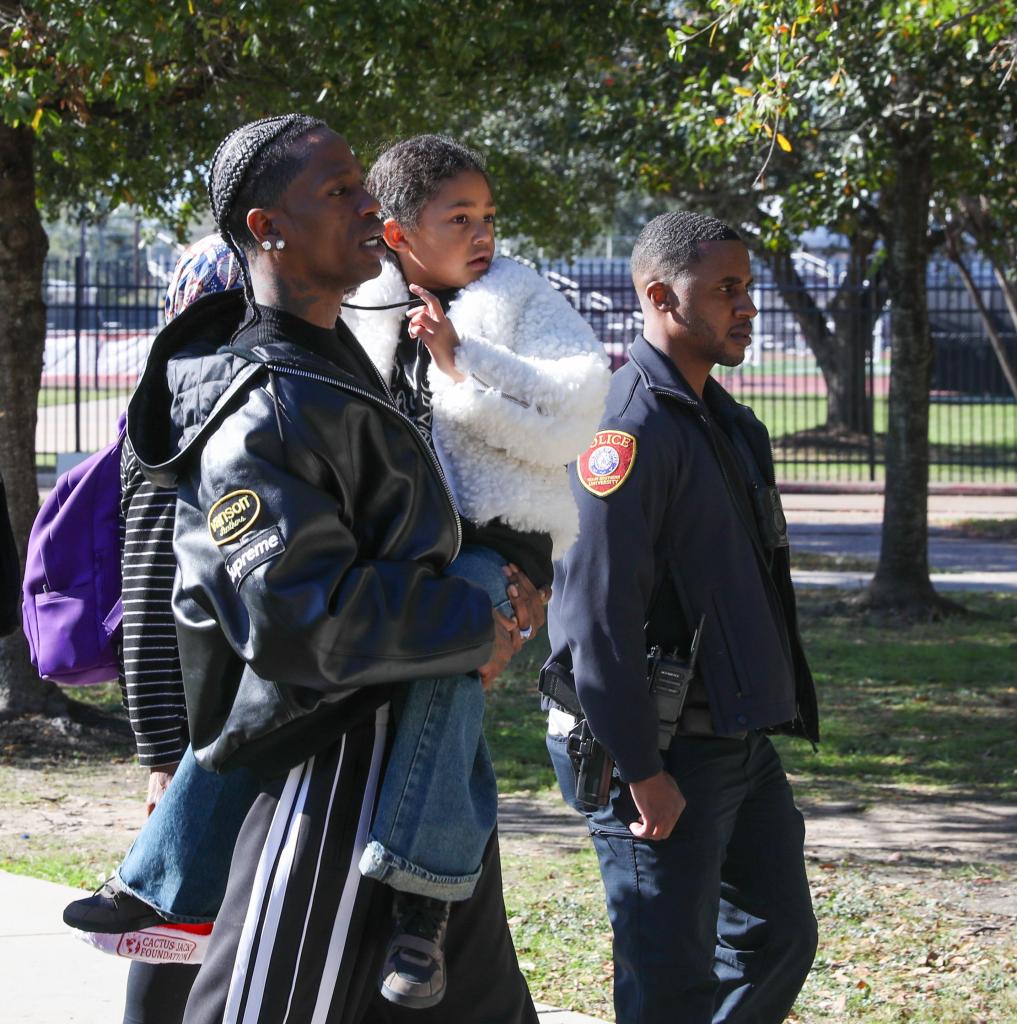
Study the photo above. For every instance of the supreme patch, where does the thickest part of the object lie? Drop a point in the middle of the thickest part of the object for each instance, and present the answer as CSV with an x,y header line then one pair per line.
x,y
606,464
261,548
233,515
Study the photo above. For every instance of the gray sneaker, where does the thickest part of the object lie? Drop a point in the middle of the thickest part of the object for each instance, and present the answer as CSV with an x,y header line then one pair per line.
x,y
414,971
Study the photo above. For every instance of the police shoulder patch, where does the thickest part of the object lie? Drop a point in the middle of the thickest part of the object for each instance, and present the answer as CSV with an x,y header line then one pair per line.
x,y
607,463
233,515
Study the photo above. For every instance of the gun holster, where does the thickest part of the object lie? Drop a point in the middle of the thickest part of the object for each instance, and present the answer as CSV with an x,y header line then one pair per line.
x,y
591,763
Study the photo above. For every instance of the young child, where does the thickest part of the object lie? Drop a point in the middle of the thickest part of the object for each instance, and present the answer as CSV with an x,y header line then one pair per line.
x,y
506,382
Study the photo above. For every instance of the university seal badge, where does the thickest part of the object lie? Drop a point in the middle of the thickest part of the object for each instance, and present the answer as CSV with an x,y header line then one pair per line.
x,y
606,464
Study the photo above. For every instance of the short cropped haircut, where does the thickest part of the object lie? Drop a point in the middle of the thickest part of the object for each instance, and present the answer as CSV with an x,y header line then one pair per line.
x,y
409,174
669,244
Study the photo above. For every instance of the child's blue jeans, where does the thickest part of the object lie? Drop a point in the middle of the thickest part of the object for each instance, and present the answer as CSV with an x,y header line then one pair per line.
x,y
439,799
180,860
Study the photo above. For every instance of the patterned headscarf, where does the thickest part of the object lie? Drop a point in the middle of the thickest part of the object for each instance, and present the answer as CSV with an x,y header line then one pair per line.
x,y
207,266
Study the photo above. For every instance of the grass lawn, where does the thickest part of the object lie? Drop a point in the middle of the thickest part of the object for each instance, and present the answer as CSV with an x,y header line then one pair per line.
x,y
906,710
950,423
65,395
986,529
971,441
910,710
895,946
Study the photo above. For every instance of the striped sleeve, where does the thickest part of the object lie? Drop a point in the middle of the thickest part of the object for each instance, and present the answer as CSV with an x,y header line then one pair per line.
x,y
152,683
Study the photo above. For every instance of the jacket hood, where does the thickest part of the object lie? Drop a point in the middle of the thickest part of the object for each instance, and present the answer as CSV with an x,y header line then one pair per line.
x,y
187,381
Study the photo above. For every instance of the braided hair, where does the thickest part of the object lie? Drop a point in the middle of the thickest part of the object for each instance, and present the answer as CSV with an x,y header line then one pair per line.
x,y
252,168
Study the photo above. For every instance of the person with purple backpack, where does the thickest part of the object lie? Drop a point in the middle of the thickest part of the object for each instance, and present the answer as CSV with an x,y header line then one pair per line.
x,y
158,908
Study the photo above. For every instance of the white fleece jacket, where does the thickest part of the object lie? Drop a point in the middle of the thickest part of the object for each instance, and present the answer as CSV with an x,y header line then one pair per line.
x,y
536,381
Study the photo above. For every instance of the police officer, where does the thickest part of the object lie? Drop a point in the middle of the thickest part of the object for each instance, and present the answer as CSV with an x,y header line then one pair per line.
x,y
700,843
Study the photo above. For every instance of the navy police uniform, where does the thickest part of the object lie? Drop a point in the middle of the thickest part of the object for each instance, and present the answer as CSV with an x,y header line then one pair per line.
x,y
714,923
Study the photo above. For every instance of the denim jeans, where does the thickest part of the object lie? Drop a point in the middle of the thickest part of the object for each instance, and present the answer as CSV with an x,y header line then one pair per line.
x,y
439,799
180,861
713,924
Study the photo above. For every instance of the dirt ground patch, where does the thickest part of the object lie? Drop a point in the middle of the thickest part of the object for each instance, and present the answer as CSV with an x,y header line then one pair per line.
x,y
965,848
916,899
71,797
935,832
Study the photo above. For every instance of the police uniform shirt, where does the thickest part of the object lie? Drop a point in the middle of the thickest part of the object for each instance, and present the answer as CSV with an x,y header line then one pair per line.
x,y
637,500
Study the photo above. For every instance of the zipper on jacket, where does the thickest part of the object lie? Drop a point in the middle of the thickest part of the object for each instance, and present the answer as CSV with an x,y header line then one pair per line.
x,y
342,385
771,585
688,403
757,547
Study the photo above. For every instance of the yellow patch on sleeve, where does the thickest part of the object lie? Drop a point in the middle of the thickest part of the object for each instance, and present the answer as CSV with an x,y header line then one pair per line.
x,y
233,515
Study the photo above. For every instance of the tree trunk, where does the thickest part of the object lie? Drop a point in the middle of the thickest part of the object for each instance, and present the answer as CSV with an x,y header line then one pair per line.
x,y
902,580
1009,290
974,293
974,216
22,340
840,352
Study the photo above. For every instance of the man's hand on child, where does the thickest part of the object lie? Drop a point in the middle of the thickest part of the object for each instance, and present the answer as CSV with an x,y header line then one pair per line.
x,y
437,331
506,643
527,602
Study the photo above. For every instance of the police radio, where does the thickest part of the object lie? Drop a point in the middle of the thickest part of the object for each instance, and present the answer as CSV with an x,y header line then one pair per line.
x,y
770,517
670,676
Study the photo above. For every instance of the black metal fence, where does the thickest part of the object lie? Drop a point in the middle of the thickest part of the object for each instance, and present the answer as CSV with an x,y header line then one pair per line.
x,y
102,318
100,321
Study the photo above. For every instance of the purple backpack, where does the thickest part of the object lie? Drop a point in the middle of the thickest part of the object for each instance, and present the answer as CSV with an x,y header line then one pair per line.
x,y
72,609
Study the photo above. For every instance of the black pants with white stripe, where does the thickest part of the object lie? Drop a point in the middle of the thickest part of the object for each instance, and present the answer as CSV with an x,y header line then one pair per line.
x,y
301,934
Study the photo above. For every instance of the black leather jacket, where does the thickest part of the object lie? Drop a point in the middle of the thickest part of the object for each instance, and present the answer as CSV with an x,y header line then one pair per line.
x,y
313,527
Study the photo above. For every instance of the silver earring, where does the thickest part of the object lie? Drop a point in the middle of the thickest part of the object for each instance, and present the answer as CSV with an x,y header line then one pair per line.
x,y
266,245
280,243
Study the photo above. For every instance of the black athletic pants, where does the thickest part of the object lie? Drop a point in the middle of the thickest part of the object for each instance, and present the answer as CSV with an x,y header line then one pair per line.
x,y
301,934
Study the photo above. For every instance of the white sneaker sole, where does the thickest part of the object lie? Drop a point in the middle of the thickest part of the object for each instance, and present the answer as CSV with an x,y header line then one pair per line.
x,y
160,944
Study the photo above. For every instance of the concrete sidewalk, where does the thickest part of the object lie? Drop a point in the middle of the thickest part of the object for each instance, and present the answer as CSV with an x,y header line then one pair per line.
x,y
851,525
855,507
991,582
49,977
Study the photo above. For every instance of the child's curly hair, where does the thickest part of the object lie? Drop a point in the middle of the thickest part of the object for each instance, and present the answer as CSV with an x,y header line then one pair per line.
x,y
408,174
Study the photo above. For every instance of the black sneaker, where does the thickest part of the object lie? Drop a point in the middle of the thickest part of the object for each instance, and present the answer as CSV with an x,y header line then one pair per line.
x,y
414,971
110,909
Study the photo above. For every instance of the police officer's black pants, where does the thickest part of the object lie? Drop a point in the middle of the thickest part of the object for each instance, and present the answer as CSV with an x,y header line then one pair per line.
x,y
715,923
